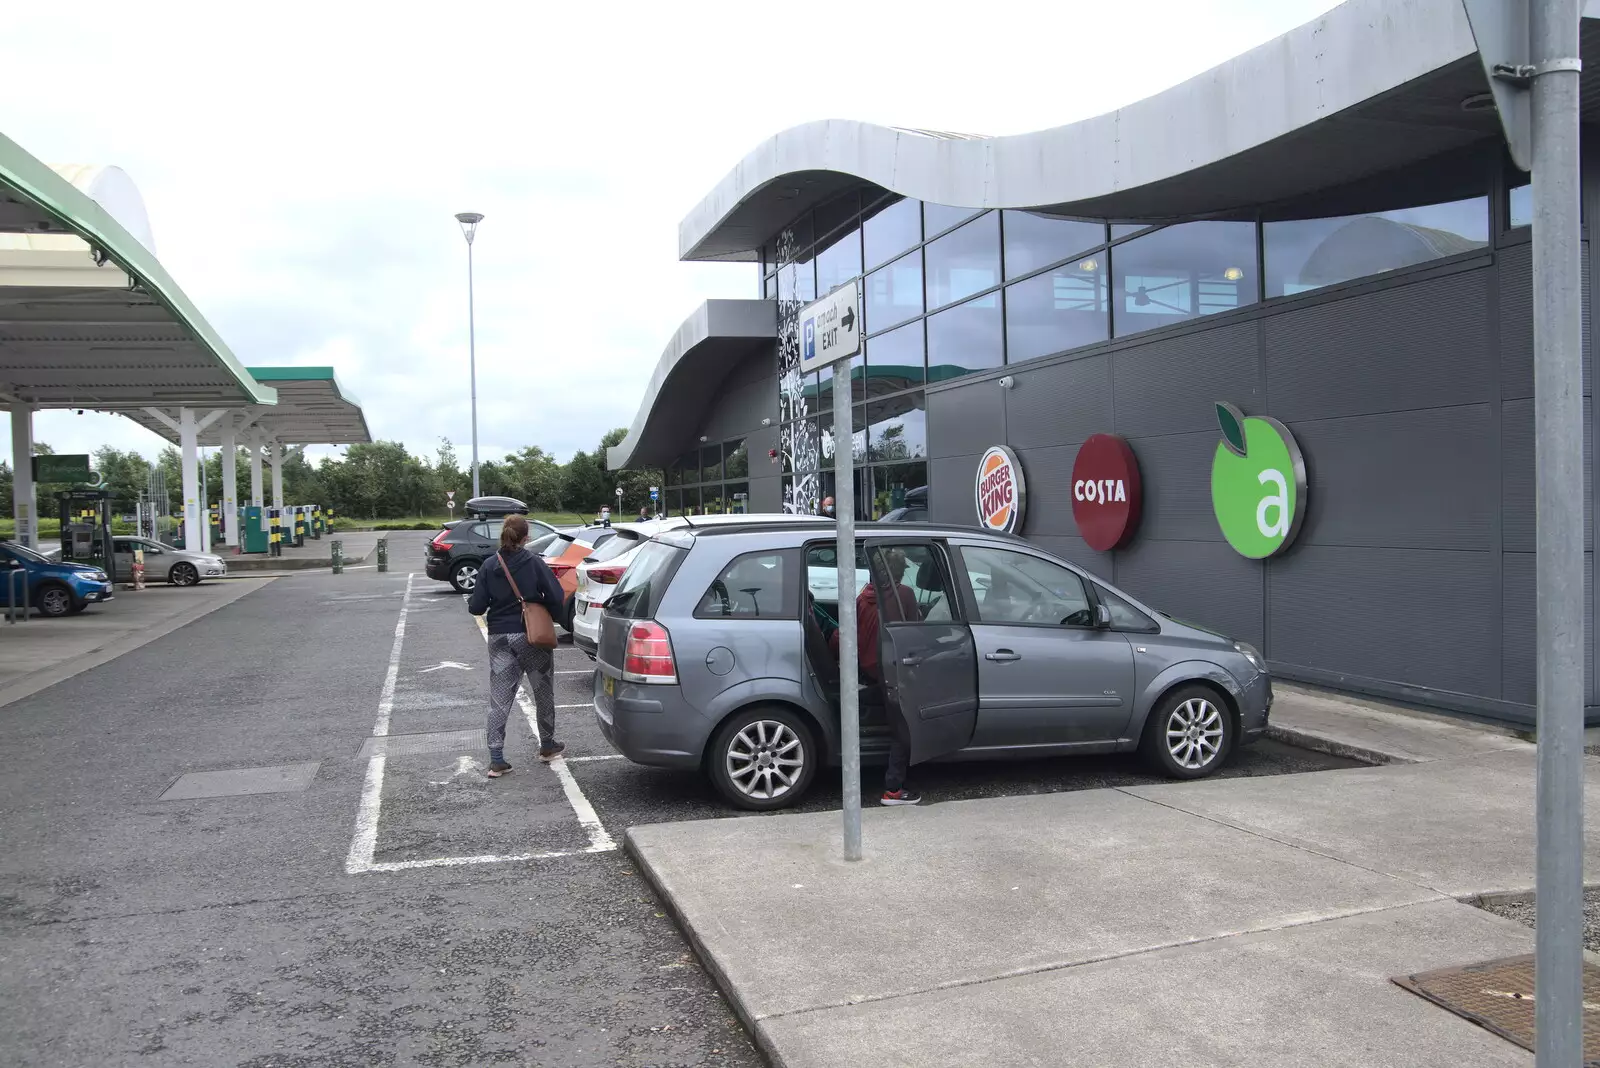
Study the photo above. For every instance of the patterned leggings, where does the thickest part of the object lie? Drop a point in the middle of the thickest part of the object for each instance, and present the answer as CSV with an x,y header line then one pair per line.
x,y
510,658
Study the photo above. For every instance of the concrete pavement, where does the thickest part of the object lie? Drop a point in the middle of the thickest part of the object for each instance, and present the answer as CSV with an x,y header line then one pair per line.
x,y
318,553
1227,922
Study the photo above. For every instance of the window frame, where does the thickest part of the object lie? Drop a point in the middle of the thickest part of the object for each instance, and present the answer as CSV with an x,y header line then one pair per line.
x,y
940,551
970,597
789,589
1154,625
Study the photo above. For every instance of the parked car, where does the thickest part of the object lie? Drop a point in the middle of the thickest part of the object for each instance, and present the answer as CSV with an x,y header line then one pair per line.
x,y
568,550
163,563
914,510
714,655
455,554
54,588
599,573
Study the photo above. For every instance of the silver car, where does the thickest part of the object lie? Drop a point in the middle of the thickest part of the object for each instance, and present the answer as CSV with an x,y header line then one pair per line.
x,y
163,563
715,654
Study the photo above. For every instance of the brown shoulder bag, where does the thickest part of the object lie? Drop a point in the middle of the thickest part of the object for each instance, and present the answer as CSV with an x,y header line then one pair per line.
x,y
536,621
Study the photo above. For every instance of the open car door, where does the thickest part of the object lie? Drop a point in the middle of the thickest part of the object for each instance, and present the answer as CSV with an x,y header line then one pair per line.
x,y
929,658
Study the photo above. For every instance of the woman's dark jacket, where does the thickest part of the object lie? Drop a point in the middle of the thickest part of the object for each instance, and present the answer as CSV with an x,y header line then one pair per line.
x,y
493,593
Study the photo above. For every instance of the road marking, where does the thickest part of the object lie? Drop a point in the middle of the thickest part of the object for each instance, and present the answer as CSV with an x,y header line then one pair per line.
x,y
586,704
443,664
365,841
465,765
586,671
597,756
495,858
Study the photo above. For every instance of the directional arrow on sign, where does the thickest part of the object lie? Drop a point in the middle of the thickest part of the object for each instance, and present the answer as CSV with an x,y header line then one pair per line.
x,y
848,319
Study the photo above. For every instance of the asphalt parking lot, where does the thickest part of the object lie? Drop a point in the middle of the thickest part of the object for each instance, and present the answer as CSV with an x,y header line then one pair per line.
x,y
387,904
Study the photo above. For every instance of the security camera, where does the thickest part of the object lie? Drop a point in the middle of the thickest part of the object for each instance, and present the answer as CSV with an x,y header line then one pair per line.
x,y
1007,382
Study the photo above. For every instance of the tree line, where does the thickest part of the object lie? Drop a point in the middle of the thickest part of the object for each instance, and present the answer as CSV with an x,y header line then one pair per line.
x,y
381,480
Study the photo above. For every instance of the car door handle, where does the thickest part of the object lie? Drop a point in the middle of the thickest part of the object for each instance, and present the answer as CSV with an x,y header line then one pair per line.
x,y
1002,656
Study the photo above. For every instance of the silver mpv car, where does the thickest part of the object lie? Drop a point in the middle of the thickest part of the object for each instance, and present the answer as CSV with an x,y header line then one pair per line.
x,y
715,654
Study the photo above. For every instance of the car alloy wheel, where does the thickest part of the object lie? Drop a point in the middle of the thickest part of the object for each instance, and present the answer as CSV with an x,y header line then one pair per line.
x,y
1195,733
765,759
55,601
465,578
184,575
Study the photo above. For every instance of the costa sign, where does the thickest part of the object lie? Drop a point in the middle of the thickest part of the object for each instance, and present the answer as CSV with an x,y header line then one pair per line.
x,y
1106,492
1000,491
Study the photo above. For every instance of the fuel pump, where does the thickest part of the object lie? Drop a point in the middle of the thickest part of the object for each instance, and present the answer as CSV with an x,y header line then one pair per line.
x,y
86,529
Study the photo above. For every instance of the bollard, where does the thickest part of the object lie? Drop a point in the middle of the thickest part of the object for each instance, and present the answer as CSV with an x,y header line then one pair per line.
x,y
383,554
336,547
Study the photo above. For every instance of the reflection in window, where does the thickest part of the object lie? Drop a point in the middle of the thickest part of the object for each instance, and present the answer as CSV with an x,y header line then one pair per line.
x,y
798,282
839,261
897,428
711,499
891,231
899,493
895,357
1183,272
858,439
1033,241
675,473
965,338
964,261
1061,309
1304,254
937,218
1120,230
858,387
1521,213
754,586
737,461
737,495
711,463
690,465
894,293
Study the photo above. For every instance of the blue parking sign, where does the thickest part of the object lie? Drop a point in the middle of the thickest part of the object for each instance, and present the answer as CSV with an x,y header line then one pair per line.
x,y
809,344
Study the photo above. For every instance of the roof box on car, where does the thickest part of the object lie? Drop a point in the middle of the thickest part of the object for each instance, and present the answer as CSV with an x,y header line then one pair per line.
x,y
483,507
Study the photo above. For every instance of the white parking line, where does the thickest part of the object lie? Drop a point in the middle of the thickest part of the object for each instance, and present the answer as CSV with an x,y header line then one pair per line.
x,y
586,704
587,671
365,841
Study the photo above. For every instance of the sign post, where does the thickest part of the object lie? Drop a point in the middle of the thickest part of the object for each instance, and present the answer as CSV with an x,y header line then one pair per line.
x,y
830,333
1530,53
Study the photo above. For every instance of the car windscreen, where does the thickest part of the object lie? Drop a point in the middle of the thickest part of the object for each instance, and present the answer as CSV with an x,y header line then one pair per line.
x,y
22,552
643,584
624,541
540,544
559,544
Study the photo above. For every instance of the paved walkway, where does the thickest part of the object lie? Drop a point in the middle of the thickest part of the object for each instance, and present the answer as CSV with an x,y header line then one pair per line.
x,y
1228,922
314,553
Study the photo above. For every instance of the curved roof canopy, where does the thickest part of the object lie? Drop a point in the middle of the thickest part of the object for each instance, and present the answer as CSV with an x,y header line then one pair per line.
x,y
88,316
1371,85
706,347
312,409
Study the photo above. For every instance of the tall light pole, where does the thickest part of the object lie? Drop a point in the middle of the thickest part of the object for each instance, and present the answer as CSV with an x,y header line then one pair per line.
x,y
469,221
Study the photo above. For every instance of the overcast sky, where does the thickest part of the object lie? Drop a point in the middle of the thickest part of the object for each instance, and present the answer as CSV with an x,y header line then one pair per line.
x,y
301,164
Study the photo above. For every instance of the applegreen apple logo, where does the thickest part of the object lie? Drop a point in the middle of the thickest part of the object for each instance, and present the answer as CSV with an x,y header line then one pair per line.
x,y
1258,483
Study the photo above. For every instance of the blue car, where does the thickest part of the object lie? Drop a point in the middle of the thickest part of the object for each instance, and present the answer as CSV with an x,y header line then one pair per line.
x,y
55,589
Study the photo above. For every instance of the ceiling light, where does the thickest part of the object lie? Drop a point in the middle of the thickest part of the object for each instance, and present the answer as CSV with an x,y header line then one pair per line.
x,y
1233,274
1089,265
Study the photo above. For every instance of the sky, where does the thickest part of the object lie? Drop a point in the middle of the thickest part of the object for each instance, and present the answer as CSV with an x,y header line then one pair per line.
x,y
302,165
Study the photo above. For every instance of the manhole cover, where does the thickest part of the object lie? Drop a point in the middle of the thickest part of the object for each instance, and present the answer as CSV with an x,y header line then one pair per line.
x,y
235,782
439,742
1498,994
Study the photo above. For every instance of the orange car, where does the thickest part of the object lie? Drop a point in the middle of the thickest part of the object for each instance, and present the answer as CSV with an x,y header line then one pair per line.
x,y
564,550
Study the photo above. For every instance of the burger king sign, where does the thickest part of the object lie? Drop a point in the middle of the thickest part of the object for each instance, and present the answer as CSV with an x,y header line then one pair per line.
x,y
1000,492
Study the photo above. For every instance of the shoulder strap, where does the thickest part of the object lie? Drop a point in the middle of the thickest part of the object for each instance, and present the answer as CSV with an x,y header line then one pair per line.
x,y
506,567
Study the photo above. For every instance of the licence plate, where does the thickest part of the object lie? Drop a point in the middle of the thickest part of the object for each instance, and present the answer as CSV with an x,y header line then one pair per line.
x,y
611,686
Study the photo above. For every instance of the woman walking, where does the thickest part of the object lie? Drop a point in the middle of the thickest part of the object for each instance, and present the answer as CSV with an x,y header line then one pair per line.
x,y
505,581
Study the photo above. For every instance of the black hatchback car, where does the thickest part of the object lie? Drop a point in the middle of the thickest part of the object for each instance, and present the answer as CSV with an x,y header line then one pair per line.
x,y
457,551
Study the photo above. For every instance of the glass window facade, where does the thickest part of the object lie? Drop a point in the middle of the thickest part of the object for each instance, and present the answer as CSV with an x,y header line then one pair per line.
x,y
965,338
1306,254
1182,272
1063,308
893,293
896,360
890,229
964,261
708,480
1033,241
838,260
1520,205
937,218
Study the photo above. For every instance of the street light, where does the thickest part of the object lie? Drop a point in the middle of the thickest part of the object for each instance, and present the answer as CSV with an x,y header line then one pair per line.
x,y
469,221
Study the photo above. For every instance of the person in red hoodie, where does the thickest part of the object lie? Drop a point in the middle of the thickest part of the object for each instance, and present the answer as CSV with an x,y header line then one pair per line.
x,y
869,620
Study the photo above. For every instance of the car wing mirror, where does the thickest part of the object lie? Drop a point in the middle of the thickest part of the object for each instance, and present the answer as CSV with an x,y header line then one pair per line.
x,y
1102,617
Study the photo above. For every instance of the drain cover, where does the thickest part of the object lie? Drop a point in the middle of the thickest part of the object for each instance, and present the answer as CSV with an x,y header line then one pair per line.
x,y
1498,994
235,782
410,744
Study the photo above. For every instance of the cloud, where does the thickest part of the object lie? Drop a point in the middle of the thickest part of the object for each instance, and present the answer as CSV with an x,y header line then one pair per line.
x,y
302,167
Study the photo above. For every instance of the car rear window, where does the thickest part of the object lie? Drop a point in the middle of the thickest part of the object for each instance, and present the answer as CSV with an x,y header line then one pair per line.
x,y
643,584
559,543
624,542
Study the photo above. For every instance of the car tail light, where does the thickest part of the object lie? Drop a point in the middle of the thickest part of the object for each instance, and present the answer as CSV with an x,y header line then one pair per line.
x,y
648,656
608,575
441,541
560,569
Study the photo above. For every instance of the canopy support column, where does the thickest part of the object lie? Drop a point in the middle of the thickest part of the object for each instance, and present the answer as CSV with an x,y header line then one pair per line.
x,y
22,491
230,486
275,458
188,441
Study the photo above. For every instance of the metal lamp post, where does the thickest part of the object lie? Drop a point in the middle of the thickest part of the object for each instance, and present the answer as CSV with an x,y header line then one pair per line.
x,y
469,221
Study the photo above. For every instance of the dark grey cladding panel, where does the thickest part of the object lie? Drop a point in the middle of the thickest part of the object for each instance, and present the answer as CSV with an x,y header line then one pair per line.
x,y
1200,582
766,494
1516,323
1517,473
1176,473
1172,386
1517,637
966,420
1421,345
758,443
740,409
1418,480
1060,404
950,489
1073,548
1049,480
1419,617
760,366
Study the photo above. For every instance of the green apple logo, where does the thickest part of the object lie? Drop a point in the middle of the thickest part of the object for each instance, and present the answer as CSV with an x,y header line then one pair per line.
x,y
1258,483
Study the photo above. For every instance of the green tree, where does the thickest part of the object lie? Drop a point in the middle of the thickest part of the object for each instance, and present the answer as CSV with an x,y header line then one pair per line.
x,y
634,481
584,484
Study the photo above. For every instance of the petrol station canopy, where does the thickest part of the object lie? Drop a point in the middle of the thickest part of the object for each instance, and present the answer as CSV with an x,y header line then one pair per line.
x,y
312,409
88,316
